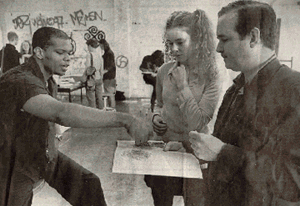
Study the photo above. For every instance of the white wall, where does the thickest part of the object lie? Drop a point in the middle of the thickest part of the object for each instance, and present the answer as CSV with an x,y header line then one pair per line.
x,y
134,28
289,43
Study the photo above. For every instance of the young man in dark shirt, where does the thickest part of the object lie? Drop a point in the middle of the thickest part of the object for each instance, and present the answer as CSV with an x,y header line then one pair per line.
x,y
11,57
28,113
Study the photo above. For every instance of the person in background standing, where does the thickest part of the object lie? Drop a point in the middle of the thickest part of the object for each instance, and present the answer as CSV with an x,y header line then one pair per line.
x,y
25,51
109,78
9,56
149,67
94,94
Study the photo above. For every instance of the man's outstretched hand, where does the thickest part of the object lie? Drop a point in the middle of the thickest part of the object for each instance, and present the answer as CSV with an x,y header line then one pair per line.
x,y
140,130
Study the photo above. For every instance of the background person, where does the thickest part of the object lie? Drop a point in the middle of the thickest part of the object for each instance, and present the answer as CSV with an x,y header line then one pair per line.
x,y
28,114
94,94
9,56
109,78
25,51
254,150
149,67
187,96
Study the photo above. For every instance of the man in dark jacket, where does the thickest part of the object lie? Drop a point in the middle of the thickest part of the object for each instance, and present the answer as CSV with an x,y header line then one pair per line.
x,y
11,57
253,154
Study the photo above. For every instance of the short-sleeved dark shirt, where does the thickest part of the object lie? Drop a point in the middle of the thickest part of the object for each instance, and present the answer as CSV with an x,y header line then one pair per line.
x,y
26,141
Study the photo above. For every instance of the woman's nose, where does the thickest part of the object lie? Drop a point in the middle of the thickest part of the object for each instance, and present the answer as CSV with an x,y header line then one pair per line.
x,y
219,47
174,48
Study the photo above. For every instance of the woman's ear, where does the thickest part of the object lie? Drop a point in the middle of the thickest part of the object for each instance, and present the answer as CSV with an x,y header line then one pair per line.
x,y
39,52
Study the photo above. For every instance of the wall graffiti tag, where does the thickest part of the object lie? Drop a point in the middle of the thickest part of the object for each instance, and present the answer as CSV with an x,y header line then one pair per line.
x,y
122,61
80,18
93,32
77,23
24,21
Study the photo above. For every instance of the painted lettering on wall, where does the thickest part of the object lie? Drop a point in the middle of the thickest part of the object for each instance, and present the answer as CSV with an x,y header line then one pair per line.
x,y
22,21
81,18
41,21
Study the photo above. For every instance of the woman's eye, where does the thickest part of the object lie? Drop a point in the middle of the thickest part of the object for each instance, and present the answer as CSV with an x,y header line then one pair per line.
x,y
170,44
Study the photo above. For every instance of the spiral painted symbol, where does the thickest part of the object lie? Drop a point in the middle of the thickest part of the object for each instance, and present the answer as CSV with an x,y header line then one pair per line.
x,y
100,35
122,61
93,32
87,36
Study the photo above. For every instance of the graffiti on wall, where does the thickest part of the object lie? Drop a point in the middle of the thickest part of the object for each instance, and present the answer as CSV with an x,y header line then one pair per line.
x,y
122,61
78,24
23,21
94,32
81,18
77,18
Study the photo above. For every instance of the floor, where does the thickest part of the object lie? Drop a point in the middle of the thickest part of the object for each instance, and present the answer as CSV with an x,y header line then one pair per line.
x,y
94,149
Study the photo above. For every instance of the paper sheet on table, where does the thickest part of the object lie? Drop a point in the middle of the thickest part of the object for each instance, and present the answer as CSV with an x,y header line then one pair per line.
x,y
152,160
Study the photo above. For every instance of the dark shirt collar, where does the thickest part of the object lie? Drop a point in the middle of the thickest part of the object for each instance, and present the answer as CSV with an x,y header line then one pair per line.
x,y
8,45
36,71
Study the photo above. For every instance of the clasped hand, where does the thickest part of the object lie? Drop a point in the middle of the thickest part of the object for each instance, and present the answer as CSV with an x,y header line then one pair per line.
x,y
179,76
159,125
206,147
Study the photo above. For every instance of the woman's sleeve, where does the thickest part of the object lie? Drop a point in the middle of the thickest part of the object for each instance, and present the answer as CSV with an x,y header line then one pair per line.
x,y
199,114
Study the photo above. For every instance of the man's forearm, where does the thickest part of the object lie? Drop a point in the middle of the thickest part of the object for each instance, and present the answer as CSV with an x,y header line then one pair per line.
x,y
74,115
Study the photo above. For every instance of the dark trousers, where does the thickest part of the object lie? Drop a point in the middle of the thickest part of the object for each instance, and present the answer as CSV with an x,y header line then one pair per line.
x,y
75,183
153,98
165,188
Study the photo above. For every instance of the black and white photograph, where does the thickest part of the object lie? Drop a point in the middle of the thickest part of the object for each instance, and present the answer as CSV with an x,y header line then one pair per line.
x,y
150,103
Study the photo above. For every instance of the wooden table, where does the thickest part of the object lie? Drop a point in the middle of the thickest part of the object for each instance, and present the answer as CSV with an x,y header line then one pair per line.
x,y
71,87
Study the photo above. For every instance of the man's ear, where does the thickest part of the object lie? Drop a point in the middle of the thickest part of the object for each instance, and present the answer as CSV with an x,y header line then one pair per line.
x,y
39,52
254,37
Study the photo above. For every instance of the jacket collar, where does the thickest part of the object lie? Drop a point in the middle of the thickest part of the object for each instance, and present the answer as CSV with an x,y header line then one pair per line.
x,y
8,45
264,75
267,73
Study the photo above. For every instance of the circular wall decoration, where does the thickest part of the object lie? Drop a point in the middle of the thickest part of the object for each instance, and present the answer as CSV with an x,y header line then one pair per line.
x,y
122,61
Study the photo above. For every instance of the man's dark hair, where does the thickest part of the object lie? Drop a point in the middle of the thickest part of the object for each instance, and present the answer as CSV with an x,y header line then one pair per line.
x,y
157,58
146,63
12,36
251,14
92,42
42,37
105,44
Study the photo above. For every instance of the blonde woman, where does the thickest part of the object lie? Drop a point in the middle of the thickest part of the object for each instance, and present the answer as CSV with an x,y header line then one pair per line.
x,y
187,92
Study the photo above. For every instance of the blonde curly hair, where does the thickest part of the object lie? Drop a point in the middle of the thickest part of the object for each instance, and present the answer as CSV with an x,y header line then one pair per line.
x,y
200,30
